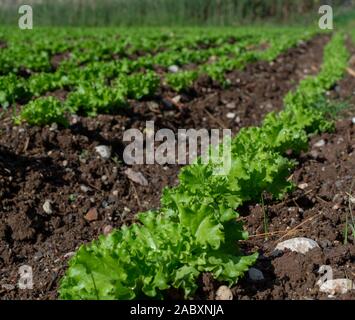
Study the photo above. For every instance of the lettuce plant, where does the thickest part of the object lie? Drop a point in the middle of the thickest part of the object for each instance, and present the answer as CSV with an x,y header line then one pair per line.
x,y
43,111
181,80
12,88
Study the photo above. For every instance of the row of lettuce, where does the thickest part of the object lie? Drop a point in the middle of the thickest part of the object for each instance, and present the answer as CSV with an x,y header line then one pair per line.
x,y
196,230
34,50
91,60
105,87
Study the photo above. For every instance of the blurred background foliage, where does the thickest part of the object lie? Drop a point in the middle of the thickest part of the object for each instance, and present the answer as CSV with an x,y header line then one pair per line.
x,y
174,12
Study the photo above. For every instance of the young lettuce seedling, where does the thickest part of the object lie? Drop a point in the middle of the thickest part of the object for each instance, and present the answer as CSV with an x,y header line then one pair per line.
x,y
43,111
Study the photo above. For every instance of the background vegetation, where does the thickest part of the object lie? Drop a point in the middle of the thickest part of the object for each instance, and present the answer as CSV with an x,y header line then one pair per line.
x,y
171,12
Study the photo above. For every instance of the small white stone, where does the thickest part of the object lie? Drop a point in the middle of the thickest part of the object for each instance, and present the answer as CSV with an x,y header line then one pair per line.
x,y
255,274
176,99
174,69
230,115
300,245
224,293
69,255
84,188
336,286
53,127
47,207
104,152
136,177
231,105
303,186
353,120
237,119
320,143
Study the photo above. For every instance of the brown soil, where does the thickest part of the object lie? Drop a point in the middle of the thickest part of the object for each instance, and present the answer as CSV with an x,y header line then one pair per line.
x,y
318,212
61,165
58,58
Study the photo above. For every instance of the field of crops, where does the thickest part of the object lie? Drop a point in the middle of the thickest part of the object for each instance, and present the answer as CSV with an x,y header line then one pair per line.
x,y
93,227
